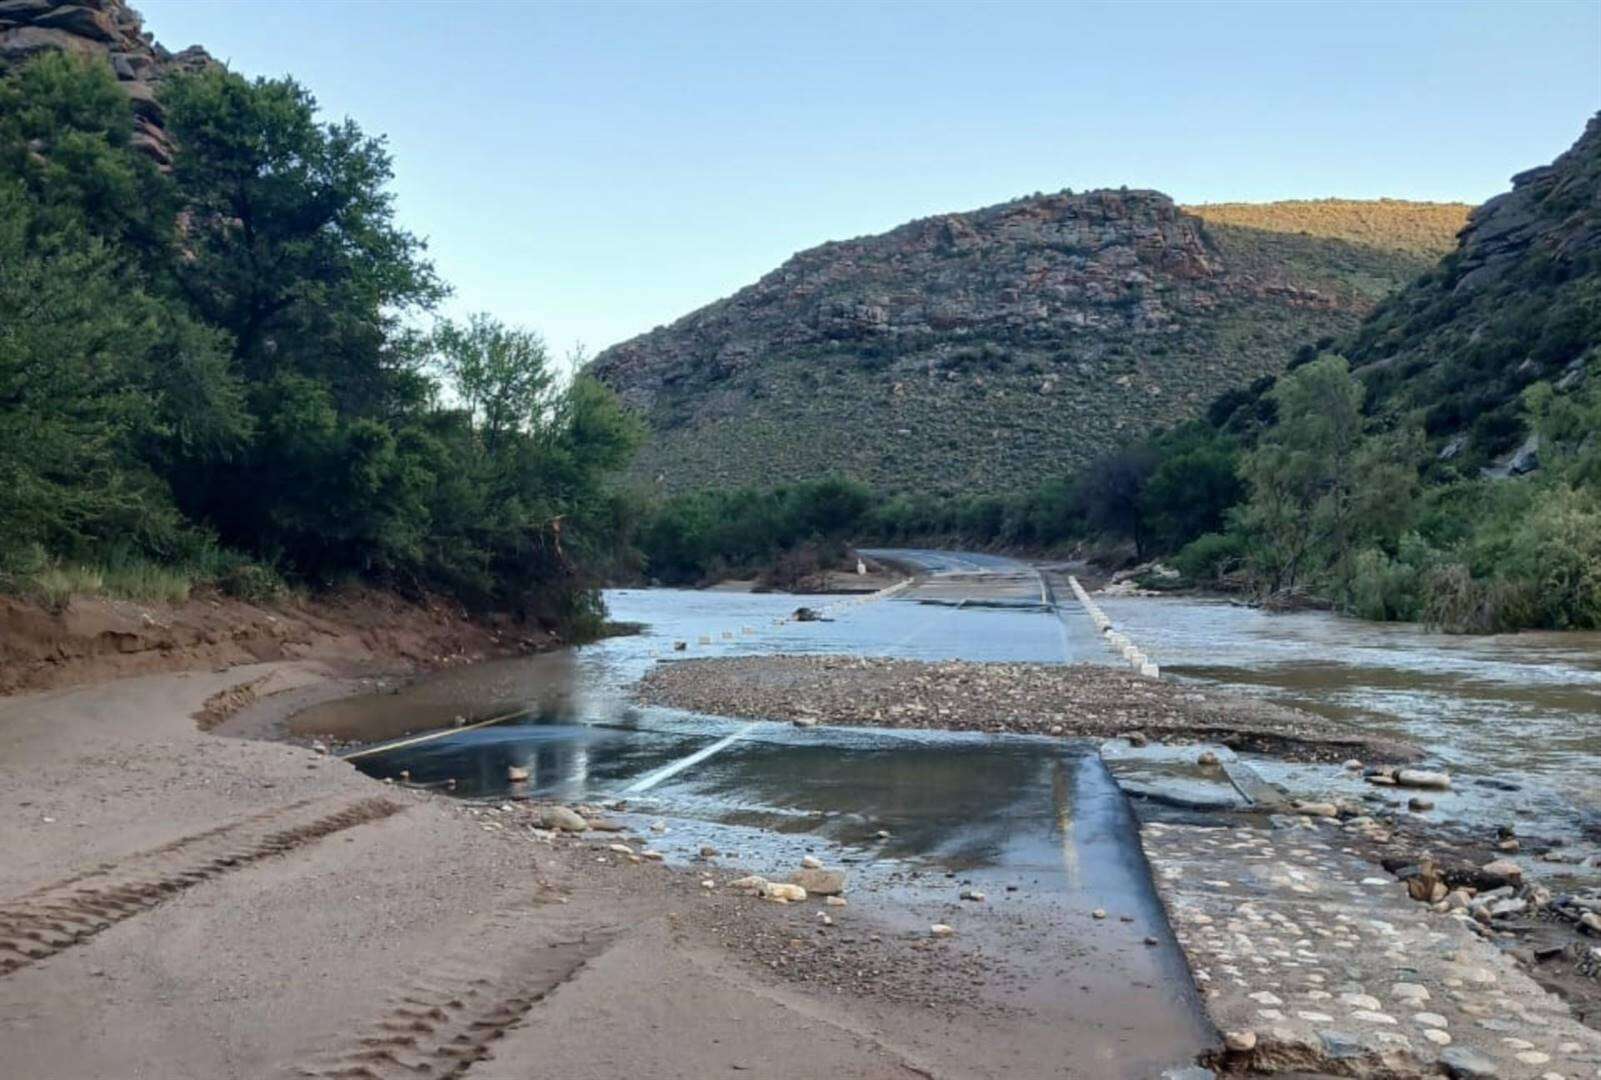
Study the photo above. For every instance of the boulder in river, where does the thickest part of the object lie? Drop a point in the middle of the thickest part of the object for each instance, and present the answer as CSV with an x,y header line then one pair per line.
x,y
1422,778
1503,869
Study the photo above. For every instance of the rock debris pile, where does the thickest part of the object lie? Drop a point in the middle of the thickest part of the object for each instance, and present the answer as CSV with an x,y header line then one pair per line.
x,y
1030,699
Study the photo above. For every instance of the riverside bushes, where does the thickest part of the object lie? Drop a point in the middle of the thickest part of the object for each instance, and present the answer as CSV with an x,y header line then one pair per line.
x,y
1287,490
218,374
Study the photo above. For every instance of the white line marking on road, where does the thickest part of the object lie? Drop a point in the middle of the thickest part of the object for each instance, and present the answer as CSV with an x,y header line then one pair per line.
x,y
650,780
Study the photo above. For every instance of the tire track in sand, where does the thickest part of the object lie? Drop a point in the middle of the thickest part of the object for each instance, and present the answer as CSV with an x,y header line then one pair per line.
x,y
449,1016
43,922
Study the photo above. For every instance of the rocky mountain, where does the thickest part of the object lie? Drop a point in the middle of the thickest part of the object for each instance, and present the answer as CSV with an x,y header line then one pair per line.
x,y
982,349
106,30
1518,302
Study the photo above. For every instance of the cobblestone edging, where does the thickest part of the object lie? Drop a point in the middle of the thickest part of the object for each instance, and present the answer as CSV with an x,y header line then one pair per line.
x,y
1309,959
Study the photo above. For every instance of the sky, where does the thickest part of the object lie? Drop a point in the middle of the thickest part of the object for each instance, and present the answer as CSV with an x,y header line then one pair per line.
x,y
593,170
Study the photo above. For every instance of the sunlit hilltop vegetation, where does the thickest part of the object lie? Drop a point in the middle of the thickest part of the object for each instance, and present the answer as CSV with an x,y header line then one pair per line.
x,y
1417,228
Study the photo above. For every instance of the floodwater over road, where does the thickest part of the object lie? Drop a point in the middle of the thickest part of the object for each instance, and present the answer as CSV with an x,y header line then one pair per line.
x,y
1515,717
1038,825
1035,824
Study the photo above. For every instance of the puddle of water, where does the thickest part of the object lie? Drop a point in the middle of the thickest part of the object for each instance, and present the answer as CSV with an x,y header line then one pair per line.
x,y
539,687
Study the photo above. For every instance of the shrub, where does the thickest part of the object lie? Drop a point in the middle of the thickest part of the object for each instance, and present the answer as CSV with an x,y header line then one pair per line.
x,y
1209,557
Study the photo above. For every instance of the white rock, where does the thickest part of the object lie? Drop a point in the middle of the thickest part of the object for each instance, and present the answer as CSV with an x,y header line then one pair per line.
x,y
811,862
820,882
1422,778
1410,992
708,884
1505,868
834,901
1240,1041
941,930
562,818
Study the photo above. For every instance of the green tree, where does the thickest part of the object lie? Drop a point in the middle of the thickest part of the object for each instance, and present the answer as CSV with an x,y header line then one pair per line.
x,y
500,374
1302,474
291,244
65,126
104,380
1193,487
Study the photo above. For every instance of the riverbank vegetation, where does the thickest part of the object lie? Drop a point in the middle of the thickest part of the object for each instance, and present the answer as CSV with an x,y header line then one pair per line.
x,y
1286,491
227,373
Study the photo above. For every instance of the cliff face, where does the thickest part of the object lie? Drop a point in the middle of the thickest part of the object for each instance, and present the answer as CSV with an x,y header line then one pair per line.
x,y
980,349
106,30
1518,302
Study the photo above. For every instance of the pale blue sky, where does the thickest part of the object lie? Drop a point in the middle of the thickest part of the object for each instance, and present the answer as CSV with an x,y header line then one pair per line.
x,y
595,169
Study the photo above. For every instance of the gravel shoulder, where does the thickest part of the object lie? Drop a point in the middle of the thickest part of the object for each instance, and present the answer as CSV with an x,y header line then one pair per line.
x,y
1070,701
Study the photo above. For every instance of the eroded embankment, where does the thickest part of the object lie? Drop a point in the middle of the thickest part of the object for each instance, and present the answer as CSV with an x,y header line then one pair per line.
x,y
1078,701
92,639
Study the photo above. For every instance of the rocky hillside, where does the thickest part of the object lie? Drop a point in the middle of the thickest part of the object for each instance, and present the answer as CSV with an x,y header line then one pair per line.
x,y
978,350
102,29
1518,302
